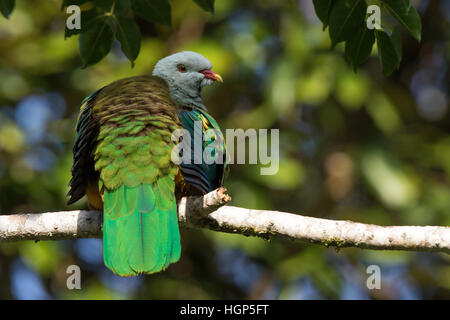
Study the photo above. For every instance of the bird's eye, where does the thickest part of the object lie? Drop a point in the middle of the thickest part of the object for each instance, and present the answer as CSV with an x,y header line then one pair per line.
x,y
181,68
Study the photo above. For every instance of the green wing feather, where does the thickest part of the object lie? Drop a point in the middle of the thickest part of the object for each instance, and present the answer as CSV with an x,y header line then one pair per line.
x,y
132,154
141,228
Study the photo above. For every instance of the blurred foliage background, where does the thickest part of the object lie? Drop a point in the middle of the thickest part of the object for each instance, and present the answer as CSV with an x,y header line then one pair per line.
x,y
357,146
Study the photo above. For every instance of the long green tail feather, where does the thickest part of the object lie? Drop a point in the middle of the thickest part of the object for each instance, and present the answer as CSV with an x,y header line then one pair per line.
x,y
140,228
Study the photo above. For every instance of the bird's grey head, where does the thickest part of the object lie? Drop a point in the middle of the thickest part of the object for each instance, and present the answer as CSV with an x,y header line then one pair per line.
x,y
186,73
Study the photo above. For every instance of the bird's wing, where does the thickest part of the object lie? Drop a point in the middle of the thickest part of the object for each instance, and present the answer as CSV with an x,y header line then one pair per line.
x,y
83,164
204,177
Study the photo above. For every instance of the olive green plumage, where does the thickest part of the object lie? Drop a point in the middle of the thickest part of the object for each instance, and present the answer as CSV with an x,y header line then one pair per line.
x,y
133,120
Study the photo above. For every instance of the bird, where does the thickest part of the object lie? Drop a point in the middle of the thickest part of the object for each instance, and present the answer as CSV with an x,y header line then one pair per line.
x,y
122,160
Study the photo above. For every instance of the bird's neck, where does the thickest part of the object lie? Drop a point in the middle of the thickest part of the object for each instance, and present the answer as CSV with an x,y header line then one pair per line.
x,y
186,99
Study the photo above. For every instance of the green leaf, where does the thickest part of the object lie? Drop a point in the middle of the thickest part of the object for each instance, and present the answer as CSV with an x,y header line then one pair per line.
x,y
104,5
323,9
397,41
96,42
87,19
157,11
207,5
387,52
129,36
120,6
407,15
346,17
6,7
359,47
67,3
402,6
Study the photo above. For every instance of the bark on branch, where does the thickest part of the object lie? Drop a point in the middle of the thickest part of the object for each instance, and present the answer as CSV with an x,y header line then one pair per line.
x,y
209,212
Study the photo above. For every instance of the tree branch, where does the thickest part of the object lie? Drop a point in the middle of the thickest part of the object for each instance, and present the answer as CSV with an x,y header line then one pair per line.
x,y
208,212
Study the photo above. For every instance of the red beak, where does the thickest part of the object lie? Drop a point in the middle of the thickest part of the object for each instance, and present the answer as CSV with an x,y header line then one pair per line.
x,y
212,75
